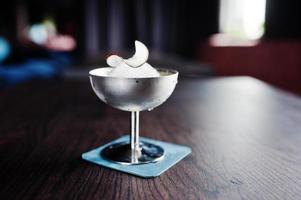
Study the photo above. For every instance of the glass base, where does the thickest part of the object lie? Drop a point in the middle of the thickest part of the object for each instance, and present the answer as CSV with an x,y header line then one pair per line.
x,y
123,154
173,153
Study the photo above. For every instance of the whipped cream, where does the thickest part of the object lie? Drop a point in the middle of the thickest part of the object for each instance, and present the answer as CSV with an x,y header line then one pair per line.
x,y
134,67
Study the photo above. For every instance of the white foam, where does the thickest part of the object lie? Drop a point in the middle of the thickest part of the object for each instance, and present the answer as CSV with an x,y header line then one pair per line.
x,y
135,67
144,71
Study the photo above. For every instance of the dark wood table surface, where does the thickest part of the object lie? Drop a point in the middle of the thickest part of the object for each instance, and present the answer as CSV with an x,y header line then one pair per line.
x,y
245,136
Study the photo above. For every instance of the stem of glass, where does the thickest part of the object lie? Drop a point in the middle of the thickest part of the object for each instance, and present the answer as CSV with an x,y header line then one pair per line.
x,y
135,136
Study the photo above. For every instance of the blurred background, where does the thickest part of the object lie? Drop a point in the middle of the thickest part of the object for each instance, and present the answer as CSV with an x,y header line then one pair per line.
x,y
63,39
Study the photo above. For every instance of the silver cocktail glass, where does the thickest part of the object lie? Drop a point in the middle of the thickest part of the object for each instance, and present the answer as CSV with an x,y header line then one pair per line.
x,y
133,95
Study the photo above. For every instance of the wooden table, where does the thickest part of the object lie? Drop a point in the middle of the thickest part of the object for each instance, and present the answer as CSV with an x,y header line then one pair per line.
x,y
245,136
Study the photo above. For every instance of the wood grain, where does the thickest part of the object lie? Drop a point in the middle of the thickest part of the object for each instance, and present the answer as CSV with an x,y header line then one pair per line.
x,y
245,136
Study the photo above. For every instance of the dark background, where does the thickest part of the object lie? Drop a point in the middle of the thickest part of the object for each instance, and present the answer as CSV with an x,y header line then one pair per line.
x,y
168,26
177,33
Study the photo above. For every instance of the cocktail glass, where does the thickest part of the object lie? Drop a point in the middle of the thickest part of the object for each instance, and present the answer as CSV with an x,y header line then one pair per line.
x,y
133,95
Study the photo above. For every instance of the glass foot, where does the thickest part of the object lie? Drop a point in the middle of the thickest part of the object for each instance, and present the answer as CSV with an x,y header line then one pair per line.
x,y
123,154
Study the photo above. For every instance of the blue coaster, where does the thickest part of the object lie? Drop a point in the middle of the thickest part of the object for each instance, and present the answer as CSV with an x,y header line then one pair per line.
x,y
173,153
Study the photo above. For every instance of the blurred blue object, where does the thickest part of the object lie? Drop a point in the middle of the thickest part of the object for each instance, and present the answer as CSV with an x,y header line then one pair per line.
x,y
38,33
33,69
4,49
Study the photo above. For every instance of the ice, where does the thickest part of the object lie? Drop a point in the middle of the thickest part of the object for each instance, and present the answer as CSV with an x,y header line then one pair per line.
x,y
134,67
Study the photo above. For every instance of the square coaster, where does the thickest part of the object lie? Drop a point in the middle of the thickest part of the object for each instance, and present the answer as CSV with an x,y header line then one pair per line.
x,y
173,153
